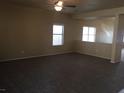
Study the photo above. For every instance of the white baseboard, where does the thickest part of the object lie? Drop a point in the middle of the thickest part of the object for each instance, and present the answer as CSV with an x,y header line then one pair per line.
x,y
6,60
114,62
94,55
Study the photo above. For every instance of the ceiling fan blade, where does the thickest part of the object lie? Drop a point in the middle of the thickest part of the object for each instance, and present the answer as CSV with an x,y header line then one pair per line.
x,y
71,6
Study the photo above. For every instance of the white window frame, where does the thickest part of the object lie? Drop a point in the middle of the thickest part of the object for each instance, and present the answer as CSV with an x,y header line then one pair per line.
x,y
88,35
62,34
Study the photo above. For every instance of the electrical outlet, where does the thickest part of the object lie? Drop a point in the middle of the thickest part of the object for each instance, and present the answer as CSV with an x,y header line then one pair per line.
x,y
22,51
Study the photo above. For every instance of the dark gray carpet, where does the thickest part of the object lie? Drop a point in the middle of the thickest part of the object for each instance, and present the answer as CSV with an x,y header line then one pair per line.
x,y
67,73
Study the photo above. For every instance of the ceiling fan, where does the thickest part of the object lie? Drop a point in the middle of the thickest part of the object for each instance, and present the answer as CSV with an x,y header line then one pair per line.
x,y
59,5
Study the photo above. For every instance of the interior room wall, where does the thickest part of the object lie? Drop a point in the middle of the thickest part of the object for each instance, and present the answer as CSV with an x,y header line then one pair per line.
x,y
27,32
102,47
119,54
105,29
108,12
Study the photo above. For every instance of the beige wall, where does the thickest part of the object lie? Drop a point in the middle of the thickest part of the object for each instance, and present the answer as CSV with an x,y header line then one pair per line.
x,y
95,49
119,39
116,12
102,47
26,32
104,28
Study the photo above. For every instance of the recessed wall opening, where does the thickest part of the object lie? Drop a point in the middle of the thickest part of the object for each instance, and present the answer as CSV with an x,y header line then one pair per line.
x,y
101,36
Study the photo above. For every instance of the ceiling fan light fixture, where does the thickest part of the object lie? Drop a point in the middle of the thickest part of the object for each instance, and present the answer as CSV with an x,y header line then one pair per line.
x,y
58,8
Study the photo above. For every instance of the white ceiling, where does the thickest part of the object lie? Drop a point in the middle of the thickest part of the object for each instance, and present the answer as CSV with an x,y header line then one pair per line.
x,y
82,5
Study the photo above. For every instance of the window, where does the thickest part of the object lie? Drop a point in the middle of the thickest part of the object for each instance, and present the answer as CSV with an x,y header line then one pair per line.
x,y
58,33
88,34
